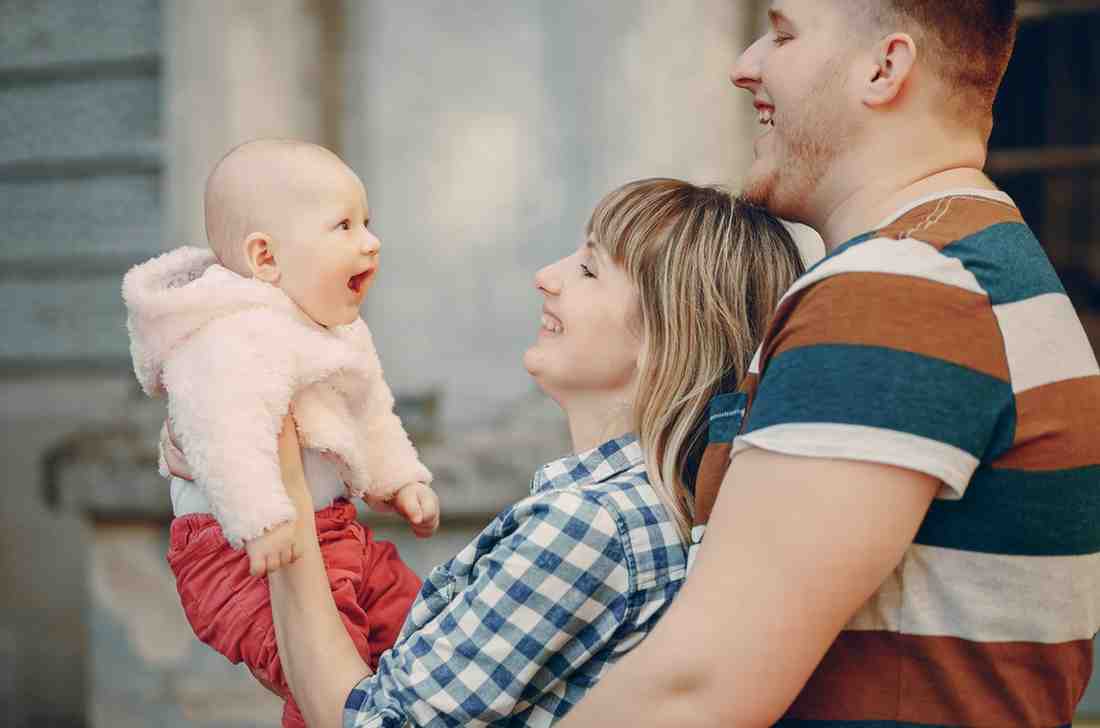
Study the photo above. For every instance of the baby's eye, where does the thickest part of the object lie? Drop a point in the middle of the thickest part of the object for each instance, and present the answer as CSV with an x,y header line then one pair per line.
x,y
344,225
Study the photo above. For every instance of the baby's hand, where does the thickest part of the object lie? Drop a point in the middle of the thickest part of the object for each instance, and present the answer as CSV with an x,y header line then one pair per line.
x,y
418,504
273,550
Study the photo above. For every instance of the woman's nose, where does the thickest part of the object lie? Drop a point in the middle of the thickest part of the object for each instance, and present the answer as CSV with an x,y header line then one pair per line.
x,y
548,281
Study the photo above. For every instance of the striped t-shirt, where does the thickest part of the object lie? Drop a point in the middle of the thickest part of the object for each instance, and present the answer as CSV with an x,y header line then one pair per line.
x,y
944,342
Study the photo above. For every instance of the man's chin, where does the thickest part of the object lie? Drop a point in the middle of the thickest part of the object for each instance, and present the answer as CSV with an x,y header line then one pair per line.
x,y
759,189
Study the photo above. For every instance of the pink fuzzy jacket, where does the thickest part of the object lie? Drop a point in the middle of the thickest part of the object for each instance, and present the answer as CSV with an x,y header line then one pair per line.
x,y
232,353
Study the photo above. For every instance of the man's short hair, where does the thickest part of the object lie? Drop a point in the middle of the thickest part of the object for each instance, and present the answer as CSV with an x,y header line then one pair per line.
x,y
969,42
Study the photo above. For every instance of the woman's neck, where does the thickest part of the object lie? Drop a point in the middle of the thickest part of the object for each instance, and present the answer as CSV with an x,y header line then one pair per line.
x,y
592,423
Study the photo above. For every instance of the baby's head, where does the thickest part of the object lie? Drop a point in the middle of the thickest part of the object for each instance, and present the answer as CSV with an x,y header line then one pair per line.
x,y
294,215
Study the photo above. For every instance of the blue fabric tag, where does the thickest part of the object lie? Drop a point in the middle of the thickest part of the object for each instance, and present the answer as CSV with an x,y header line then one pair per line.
x,y
726,413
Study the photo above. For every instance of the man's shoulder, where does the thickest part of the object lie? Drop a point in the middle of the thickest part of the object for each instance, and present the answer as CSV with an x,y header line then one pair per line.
x,y
966,243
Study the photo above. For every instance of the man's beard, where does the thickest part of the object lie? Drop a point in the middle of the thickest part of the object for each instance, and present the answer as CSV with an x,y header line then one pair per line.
x,y
811,145
785,189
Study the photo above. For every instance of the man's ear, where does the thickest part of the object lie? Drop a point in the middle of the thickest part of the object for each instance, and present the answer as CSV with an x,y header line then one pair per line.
x,y
893,63
260,257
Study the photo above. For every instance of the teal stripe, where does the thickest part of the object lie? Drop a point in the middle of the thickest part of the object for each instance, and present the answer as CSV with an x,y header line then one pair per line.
x,y
841,249
1008,262
1020,513
895,390
726,412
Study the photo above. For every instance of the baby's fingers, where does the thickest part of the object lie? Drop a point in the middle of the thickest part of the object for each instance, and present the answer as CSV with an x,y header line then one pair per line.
x,y
429,521
257,564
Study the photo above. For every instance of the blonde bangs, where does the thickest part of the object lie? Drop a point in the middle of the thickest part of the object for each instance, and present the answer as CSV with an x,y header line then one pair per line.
x,y
709,270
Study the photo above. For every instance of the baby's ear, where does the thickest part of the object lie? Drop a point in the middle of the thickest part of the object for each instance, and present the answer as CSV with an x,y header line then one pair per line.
x,y
261,258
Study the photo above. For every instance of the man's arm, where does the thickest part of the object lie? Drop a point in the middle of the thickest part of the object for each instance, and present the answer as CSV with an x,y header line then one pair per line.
x,y
794,547
318,656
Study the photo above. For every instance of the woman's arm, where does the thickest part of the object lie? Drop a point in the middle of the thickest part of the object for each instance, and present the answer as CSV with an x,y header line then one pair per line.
x,y
535,598
318,656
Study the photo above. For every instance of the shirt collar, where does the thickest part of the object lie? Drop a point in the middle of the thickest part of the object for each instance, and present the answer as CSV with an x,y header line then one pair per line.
x,y
994,195
592,466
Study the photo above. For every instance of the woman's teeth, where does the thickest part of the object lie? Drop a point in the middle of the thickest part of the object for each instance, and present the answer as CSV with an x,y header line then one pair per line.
x,y
766,117
551,324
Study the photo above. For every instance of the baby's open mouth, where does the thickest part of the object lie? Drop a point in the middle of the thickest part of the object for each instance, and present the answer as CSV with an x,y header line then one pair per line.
x,y
356,282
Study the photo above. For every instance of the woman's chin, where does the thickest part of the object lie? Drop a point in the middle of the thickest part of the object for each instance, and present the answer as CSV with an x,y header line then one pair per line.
x,y
532,361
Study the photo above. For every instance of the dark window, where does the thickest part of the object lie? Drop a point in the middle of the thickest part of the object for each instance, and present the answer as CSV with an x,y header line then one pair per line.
x,y
1045,149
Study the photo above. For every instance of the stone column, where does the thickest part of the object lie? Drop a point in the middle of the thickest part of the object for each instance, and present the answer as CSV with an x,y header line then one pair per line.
x,y
145,667
235,71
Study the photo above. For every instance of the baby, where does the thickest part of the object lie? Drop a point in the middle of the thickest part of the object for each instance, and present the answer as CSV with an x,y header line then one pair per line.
x,y
267,322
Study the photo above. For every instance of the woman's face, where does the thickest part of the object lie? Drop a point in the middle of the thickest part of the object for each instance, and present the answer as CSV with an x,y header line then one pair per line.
x,y
589,338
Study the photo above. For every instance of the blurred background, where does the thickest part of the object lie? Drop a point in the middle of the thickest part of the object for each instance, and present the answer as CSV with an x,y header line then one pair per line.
x,y
485,131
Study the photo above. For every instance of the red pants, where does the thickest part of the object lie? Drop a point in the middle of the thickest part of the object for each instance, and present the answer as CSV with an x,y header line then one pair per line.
x,y
231,611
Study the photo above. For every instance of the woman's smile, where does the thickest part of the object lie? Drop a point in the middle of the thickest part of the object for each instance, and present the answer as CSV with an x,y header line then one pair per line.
x,y
550,323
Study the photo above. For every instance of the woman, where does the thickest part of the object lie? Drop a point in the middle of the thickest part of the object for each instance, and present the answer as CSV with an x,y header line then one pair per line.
x,y
665,299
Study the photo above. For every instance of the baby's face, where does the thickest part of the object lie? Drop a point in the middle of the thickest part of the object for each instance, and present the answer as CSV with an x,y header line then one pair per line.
x,y
327,256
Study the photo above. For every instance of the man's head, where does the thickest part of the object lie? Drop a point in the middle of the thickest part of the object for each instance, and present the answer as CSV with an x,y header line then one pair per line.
x,y
844,85
294,215
966,45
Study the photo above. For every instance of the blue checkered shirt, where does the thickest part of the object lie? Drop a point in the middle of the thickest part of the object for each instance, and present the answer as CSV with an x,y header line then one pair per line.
x,y
518,626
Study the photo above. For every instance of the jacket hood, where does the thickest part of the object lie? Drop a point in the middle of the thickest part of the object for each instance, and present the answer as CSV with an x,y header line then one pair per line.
x,y
170,297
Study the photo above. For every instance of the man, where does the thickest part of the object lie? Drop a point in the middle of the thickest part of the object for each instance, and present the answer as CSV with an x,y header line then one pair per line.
x,y
909,528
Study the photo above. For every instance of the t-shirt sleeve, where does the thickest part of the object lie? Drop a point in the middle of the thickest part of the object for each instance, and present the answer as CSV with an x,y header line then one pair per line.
x,y
886,368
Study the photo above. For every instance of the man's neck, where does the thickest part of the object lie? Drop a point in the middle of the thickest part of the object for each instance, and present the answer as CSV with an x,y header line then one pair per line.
x,y
870,187
867,207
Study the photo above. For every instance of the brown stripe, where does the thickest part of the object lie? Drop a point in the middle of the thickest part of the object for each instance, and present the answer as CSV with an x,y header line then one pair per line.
x,y
946,681
941,222
712,469
1056,427
908,314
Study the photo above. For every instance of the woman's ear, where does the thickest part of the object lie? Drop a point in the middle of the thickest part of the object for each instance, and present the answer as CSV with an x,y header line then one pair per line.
x,y
260,257
894,59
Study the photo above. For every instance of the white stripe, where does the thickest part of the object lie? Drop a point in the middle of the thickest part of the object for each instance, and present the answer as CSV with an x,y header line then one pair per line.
x,y
1044,341
754,366
987,597
897,257
995,195
949,464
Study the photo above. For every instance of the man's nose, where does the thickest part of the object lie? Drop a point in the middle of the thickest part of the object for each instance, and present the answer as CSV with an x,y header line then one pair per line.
x,y
746,71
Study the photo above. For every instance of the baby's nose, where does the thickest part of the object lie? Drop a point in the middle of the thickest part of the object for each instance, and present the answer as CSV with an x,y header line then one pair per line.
x,y
371,244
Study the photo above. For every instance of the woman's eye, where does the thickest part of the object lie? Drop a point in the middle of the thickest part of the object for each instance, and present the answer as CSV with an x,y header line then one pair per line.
x,y
780,38
344,225
586,271
366,223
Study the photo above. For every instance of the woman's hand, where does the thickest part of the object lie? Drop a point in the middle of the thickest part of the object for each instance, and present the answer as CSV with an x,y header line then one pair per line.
x,y
171,454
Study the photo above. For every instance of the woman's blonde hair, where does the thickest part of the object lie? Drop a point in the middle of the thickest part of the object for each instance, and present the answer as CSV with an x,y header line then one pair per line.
x,y
710,270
